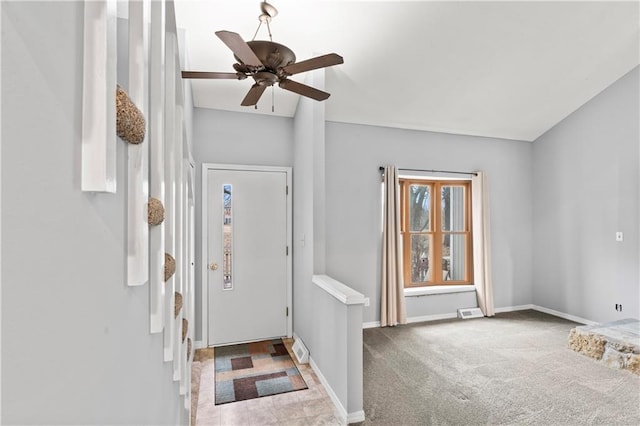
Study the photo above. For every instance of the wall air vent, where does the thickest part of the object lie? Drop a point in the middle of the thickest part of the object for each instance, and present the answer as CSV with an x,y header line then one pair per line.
x,y
466,313
301,351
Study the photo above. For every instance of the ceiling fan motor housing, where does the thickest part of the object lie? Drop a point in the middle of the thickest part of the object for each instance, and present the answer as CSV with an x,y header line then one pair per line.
x,y
265,78
272,55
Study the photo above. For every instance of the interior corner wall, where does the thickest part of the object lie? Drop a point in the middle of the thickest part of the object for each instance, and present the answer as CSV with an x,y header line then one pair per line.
x,y
354,154
317,79
76,347
308,210
587,186
233,138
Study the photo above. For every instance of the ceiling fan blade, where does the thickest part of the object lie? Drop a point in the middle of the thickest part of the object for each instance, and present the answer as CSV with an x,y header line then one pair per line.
x,y
254,95
211,75
304,90
314,63
239,47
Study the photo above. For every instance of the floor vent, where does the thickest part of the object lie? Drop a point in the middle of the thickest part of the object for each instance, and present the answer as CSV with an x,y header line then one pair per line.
x,y
465,313
301,351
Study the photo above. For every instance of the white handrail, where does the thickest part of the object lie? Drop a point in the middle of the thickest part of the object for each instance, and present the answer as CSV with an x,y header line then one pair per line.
x,y
343,293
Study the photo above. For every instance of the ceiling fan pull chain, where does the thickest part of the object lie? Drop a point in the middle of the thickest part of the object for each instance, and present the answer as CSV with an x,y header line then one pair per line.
x,y
273,108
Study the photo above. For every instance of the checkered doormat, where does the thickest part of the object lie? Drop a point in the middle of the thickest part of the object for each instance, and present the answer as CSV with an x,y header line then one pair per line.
x,y
253,370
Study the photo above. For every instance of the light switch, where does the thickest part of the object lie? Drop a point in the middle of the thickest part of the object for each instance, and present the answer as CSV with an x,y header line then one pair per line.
x,y
619,236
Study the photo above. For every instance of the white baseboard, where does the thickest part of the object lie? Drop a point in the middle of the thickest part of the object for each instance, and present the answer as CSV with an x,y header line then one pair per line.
x,y
563,315
424,318
356,417
372,324
345,418
546,311
332,395
376,324
513,308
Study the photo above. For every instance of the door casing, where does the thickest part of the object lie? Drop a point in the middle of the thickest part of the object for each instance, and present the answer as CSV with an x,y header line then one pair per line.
x,y
204,320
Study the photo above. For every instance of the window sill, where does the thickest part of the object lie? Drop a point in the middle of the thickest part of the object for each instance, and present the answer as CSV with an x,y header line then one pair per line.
x,y
439,289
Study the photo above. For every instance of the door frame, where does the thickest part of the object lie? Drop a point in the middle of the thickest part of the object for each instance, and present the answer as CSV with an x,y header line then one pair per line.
x,y
206,167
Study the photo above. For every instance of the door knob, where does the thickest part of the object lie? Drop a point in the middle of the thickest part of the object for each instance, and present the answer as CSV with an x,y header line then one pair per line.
x,y
213,266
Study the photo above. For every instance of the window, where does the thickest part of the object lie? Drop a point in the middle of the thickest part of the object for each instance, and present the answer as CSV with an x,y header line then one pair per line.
x,y
436,232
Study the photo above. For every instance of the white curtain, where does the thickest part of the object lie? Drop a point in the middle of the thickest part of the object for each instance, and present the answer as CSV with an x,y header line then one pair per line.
x,y
481,243
392,298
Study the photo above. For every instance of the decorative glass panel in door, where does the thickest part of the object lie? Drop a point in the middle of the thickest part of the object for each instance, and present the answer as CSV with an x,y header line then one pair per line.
x,y
227,237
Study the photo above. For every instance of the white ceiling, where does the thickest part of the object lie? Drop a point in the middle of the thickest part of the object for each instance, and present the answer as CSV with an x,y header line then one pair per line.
x,y
498,69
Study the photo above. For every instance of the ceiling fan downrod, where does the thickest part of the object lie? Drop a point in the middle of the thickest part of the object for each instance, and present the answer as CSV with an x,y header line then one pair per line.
x,y
268,12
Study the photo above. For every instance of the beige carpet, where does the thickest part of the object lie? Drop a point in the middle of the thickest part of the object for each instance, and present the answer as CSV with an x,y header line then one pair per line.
x,y
515,368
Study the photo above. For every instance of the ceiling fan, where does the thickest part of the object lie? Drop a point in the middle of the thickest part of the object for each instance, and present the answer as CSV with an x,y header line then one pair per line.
x,y
268,63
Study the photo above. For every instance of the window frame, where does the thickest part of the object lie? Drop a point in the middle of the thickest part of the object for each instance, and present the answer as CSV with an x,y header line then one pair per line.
x,y
436,233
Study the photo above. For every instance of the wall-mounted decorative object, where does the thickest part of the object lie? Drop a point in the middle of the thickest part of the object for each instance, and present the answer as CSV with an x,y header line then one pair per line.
x,y
131,127
178,303
130,123
185,328
169,266
98,170
157,295
155,212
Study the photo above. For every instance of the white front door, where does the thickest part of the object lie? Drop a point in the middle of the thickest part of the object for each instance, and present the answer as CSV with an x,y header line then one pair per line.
x,y
247,241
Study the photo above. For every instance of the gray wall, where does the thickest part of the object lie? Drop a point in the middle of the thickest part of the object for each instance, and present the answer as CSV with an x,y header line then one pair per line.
x,y
353,208
234,138
353,202
331,330
586,188
419,307
306,123
76,346
337,350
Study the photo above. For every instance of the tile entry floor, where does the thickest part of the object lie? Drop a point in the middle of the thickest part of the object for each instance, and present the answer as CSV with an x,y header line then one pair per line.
x,y
311,406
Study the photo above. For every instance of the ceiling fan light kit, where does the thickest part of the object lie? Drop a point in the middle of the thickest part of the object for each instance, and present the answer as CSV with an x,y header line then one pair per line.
x,y
268,63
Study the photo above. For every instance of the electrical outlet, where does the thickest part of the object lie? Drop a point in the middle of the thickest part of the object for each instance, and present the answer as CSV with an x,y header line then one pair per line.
x,y
619,307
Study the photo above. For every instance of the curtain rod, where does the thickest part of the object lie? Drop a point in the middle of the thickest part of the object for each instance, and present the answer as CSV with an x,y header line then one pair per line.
x,y
435,171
